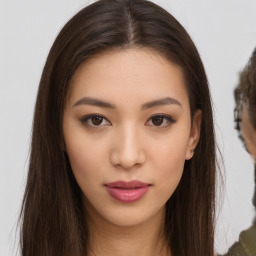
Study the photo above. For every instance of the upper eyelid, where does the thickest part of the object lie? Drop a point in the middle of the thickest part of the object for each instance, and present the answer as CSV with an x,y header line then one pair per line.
x,y
162,115
92,115
170,120
88,116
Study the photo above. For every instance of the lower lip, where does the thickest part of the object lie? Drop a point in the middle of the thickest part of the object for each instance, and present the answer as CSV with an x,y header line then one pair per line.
x,y
127,195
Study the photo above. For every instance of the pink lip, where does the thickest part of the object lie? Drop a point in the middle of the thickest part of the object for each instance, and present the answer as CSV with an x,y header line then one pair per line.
x,y
127,191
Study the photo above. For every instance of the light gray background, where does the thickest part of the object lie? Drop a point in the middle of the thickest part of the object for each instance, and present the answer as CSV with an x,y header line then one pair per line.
x,y
225,34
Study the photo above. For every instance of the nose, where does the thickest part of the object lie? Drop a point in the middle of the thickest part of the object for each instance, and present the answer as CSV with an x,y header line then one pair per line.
x,y
127,149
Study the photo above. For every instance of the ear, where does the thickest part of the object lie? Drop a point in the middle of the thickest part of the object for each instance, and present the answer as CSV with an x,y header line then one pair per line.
x,y
194,134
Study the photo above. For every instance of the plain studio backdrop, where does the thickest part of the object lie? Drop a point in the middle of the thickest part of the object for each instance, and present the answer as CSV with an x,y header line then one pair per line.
x,y
225,35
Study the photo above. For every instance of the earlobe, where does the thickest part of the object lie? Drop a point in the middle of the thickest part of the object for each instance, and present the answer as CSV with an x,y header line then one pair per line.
x,y
194,134
190,154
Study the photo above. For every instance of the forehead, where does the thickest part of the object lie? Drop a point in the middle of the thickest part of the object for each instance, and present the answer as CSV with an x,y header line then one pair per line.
x,y
131,73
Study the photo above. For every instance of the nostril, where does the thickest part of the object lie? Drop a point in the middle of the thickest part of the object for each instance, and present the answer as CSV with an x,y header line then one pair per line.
x,y
127,161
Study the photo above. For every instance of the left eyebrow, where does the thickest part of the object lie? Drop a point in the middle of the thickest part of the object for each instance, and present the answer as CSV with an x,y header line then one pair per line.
x,y
94,102
161,102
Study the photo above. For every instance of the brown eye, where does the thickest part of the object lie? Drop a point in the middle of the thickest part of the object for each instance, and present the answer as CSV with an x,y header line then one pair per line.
x,y
160,120
96,120
157,120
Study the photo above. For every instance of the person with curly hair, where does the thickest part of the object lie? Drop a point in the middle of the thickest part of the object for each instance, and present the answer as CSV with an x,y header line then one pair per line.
x,y
245,118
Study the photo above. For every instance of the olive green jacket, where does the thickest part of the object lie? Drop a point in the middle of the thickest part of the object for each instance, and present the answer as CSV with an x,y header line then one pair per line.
x,y
246,246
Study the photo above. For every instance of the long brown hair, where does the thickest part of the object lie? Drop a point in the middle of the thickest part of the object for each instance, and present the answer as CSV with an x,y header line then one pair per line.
x,y
52,215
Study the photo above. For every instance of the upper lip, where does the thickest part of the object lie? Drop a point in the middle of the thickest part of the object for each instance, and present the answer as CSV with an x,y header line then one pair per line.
x,y
127,184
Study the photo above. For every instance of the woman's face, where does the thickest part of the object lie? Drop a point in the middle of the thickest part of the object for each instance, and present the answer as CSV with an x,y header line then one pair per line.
x,y
127,132
248,132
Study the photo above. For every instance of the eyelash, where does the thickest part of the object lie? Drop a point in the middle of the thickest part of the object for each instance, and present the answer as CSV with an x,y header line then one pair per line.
x,y
88,118
165,117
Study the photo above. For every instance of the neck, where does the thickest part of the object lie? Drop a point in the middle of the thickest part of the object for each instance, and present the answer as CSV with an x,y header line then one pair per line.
x,y
145,239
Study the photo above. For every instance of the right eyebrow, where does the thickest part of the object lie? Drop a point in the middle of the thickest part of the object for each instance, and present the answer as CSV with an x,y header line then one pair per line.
x,y
161,102
94,102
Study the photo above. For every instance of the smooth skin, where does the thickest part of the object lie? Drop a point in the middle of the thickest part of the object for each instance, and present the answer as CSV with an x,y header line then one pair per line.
x,y
248,132
128,118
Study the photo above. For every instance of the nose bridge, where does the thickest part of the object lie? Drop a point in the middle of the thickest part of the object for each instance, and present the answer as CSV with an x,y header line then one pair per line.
x,y
128,150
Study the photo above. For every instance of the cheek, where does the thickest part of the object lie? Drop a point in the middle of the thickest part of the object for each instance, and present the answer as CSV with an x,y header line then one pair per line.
x,y
169,162
168,169
249,135
86,160
251,146
170,153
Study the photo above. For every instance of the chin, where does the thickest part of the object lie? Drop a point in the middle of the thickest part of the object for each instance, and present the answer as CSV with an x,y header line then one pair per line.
x,y
127,220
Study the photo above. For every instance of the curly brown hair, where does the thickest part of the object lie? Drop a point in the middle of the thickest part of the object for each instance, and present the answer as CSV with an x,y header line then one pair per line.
x,y
245,92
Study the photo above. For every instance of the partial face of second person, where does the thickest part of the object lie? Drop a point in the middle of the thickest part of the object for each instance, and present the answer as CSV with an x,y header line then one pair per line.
x,y
248,132
128,133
